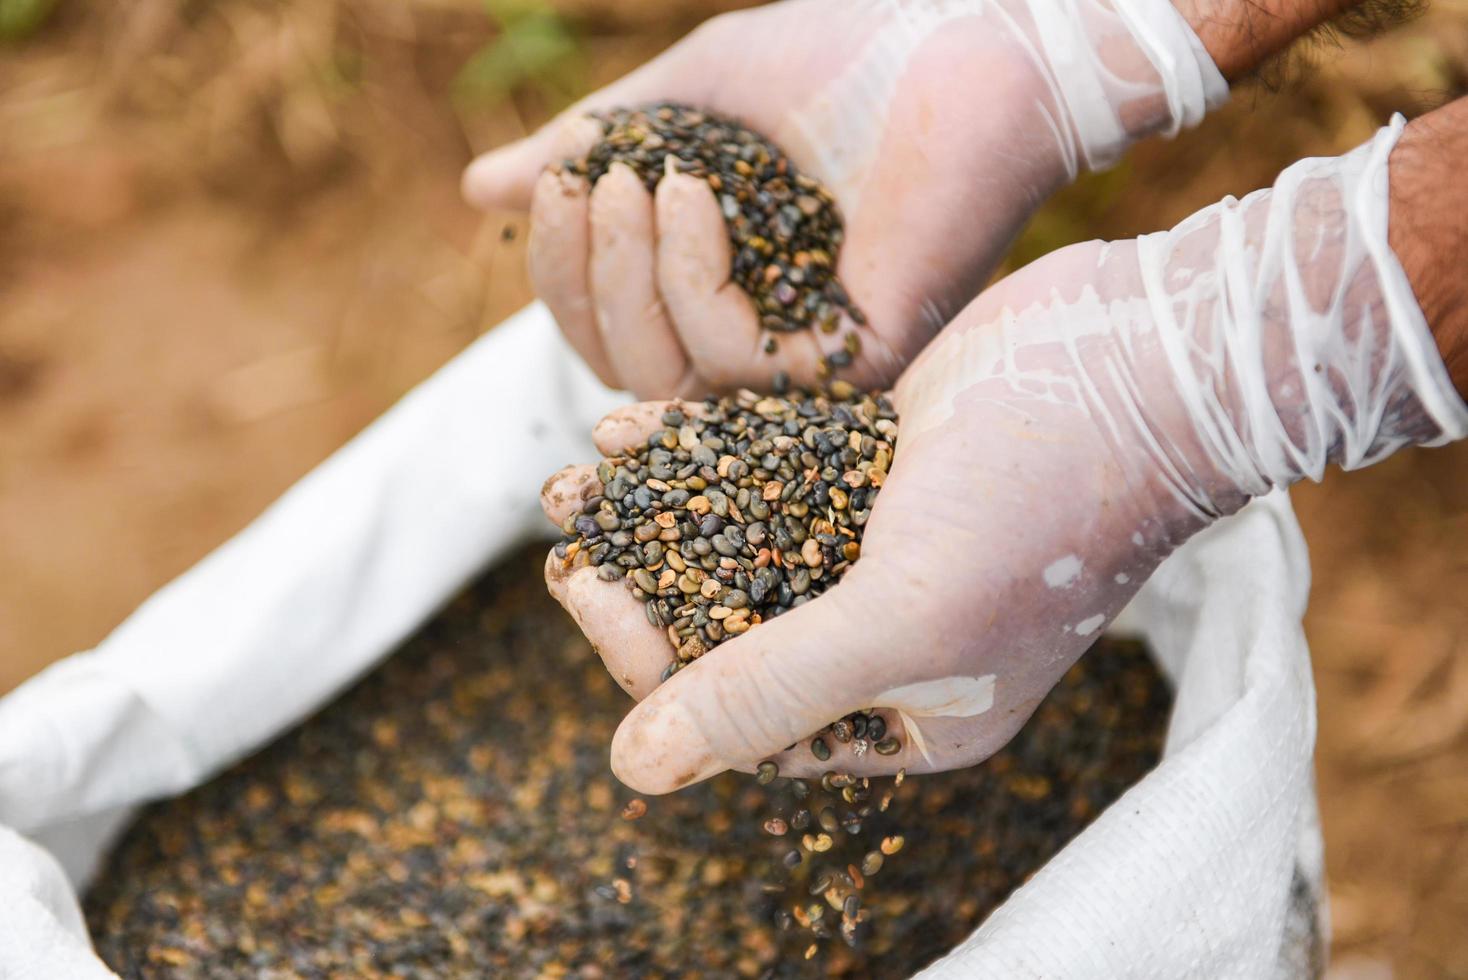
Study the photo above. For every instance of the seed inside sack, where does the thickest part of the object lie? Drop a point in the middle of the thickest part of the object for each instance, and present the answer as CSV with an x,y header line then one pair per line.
x,y
323,849
785,228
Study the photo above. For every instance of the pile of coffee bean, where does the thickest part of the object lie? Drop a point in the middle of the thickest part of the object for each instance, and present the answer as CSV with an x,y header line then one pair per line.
x,y
784,226
452,815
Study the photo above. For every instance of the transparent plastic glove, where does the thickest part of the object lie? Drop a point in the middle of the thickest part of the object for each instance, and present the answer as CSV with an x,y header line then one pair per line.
x,y
1073,427
939,125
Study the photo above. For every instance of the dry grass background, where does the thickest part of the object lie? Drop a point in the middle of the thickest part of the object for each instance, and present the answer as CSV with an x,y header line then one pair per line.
x,y
230,237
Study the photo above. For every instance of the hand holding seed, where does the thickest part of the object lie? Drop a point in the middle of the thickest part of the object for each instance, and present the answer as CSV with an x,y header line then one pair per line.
x,y
935,128
897,634
976,584
1012,524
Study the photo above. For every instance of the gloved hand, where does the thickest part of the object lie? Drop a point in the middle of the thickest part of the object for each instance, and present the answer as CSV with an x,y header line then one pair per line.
x,y
939,125
1076,424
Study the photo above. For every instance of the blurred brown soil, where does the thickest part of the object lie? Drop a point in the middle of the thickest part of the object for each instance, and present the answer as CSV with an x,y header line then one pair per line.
x,y
230,237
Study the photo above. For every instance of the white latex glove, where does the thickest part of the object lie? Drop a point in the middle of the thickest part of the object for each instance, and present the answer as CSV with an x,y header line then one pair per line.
x,y
1078,422
939,125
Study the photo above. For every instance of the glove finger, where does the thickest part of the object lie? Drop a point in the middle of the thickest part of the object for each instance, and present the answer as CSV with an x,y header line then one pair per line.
x,y
717,321
630,426
634,651
567,491
640,341
558,259
752,697
713,317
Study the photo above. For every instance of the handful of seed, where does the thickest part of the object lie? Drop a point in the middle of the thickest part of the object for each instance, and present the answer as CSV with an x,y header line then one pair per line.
x,y
784,226
728,516
737,511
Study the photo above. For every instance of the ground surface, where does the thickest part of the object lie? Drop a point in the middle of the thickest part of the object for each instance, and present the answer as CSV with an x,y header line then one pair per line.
x,y
229,237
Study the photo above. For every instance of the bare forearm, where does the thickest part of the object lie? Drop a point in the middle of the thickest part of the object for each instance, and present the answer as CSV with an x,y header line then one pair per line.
x,y
1242,34
1429,226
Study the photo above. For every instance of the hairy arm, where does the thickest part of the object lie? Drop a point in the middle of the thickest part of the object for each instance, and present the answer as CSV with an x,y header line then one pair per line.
x,y
1242,35
1429,226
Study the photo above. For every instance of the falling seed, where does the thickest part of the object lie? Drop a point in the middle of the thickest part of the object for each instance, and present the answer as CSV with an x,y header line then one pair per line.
x,y
871,863
892,843
634,809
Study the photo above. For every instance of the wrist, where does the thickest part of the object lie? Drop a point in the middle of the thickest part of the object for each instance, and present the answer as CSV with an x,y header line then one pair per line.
x,y
1240,35
1291,329
1428,227
1112,72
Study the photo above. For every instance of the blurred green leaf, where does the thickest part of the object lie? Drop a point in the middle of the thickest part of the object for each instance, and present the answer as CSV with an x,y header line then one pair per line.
x,y
19,19
535,46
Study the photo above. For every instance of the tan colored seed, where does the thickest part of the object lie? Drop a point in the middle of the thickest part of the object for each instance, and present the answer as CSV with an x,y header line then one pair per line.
x,y
699,505
634,810
772,491
665,520
810,553
892,844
